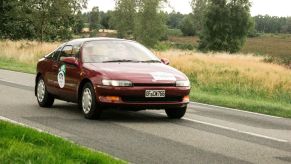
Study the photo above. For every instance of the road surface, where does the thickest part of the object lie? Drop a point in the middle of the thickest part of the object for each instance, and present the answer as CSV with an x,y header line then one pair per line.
x,y
207,134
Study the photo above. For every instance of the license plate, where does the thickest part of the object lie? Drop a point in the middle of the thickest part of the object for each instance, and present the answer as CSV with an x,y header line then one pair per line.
x,y
155,93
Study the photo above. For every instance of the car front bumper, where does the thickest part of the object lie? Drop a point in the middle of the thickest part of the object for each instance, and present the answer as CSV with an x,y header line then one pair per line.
x,y
134,97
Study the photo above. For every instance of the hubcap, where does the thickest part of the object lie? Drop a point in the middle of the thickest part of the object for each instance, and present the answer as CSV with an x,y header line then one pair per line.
x,y
40,90
86,100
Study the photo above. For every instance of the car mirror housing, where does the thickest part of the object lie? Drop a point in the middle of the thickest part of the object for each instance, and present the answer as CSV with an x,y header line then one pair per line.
x,y
165,61
70,60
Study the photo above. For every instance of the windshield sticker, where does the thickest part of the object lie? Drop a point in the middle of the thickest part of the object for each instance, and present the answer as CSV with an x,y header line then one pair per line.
x,y
61,76
163,76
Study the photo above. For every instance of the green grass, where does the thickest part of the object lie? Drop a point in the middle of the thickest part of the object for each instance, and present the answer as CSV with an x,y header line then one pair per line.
x,y
238,93
14,65
24,145
263,106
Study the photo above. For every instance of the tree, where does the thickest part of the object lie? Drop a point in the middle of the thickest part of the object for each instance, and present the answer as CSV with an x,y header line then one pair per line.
x,y
174,20
79,23
269,24
187,26
106,19
16,20
38,19
227,23
150,25
94,19
124,17
286,27
199,9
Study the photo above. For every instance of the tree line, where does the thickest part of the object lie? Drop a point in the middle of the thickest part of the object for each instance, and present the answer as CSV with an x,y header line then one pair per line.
x,y
272,24
221,25
40,19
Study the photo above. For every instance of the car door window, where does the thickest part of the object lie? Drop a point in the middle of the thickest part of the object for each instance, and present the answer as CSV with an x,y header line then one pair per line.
x,y
54,55
67,51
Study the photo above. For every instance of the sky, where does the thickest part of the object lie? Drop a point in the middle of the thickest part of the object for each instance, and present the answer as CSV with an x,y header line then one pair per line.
x,y
262,7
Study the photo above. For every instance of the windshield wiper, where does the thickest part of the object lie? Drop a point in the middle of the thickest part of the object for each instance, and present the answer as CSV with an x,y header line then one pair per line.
x,y
151,61
120,61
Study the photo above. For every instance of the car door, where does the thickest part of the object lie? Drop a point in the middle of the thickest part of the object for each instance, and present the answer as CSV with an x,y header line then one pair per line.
x,y
50,75
68,75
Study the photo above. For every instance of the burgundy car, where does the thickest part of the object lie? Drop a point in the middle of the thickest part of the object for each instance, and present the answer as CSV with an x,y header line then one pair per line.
x,y
101,73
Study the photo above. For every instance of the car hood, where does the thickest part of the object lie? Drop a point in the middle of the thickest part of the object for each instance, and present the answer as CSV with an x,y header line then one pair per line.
x,y
142,73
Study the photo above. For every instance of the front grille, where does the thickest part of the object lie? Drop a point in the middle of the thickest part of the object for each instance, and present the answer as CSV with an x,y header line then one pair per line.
x,y
143,99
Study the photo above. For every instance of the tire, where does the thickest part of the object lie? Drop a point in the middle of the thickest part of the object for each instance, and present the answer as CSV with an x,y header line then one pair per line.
x,y
89,105
44,98
176,113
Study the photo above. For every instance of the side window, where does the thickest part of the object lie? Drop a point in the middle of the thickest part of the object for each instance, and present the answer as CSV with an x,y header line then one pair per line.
x,y
67,51
54,55
76,50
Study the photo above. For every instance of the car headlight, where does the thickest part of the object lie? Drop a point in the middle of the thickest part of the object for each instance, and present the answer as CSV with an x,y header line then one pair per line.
x,y
117,83
184,83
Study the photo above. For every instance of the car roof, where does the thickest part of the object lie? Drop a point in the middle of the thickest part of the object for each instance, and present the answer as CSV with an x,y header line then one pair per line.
x,y
83,40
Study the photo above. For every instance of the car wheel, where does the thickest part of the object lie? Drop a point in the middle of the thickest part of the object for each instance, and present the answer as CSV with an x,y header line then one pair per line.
x,y
176,113
89,105
44,98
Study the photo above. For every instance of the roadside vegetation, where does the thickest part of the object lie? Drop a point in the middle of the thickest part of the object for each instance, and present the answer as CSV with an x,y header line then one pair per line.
x,y
243,81
240,67
19,144
239,81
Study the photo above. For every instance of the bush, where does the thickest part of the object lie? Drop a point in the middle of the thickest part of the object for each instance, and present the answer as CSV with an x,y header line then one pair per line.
x,y
187,26
184,46
162,46
174,32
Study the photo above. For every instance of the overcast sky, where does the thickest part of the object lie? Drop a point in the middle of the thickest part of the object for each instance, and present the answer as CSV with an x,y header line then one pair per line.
x,y
270,7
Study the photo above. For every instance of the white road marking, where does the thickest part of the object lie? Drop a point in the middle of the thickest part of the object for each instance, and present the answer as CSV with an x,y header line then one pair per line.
x,y
214,107
237,130
19,123
233,129
40,130
192,120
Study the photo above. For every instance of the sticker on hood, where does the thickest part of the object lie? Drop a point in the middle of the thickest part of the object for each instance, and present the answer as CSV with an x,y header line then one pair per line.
x,y
163,76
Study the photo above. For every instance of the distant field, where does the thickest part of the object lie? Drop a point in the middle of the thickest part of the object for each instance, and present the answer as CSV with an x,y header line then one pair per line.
x,y
277,46
240,81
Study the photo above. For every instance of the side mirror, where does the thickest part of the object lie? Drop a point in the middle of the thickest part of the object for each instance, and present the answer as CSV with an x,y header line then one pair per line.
x,y
70,60
165,61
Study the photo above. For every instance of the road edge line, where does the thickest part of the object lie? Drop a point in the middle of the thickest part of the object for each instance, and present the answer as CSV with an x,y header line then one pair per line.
x,y
234,109
66,139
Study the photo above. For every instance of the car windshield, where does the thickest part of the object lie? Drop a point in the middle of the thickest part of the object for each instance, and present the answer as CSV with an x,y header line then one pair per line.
x,y
116,51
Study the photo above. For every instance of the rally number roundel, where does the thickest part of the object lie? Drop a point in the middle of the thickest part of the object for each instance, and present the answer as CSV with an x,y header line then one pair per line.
x,y
62,76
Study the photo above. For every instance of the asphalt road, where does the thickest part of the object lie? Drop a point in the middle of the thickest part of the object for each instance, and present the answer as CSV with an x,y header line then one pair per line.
x,y
207,134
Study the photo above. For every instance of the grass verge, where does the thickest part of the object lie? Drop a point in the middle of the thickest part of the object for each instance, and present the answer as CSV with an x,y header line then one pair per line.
x,y
24,145
14,65
246,104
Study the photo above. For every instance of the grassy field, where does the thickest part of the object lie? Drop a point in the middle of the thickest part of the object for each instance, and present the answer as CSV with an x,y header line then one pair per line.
x,y
22,56
15,65
24,145
240,81
276,48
